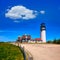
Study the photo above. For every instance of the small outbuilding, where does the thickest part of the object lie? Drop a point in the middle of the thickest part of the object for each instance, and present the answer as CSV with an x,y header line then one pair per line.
x,y
38,40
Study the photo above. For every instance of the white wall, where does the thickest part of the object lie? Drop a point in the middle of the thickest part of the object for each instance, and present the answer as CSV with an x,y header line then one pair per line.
x,y
43,35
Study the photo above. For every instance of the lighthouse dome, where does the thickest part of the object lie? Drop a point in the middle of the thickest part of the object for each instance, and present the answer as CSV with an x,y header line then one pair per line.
x,y
43,25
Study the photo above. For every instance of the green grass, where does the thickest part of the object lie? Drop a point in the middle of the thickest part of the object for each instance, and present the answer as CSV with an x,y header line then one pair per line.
x,y
10,52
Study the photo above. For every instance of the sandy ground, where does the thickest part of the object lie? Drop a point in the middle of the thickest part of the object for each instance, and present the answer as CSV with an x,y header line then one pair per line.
x,y
43,51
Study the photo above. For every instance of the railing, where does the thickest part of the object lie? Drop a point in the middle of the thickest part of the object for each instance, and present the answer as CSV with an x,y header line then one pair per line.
x,y
23,51
27,55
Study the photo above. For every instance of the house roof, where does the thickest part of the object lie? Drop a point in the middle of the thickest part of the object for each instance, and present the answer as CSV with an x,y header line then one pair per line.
x,y
38,39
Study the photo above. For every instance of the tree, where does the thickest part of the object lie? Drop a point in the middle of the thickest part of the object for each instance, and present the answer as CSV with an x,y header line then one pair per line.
x,y
58,41
54,41
49,41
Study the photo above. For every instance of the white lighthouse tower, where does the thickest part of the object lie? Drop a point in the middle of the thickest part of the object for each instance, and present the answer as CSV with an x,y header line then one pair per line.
x,y
43,32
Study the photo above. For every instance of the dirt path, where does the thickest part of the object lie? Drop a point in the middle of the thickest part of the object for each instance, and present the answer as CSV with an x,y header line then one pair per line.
x,y
43,51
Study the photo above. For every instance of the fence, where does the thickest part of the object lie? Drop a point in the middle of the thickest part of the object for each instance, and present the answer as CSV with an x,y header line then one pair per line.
x,y
27,55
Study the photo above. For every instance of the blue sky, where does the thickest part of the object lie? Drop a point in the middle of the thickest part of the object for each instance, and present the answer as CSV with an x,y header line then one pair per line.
x,y
18,17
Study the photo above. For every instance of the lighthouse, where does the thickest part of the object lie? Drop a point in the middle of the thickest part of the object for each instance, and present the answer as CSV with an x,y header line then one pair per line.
x,y
43,32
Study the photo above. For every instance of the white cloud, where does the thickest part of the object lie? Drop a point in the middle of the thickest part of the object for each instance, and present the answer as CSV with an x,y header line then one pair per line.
x,y
20,12
42,12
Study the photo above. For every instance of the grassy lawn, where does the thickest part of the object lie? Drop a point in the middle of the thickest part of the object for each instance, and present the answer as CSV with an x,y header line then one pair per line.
x,y
10,52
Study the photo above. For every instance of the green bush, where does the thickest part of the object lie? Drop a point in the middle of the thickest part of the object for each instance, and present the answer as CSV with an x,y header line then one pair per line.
x,y
55,41
58,41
